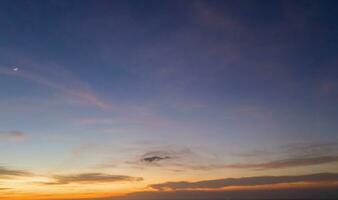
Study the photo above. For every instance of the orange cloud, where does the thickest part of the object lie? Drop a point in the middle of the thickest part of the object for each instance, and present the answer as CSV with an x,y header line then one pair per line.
x,y
6,173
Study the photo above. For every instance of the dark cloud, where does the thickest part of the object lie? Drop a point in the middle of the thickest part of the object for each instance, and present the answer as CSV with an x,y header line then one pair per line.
x,y
286,163
91,178
9,173
155,158
280,194
167,157
245,181
12,135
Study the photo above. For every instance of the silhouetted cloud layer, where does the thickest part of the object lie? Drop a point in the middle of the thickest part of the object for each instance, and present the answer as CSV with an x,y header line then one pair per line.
x,y
245,181
91,178
8,173
281,194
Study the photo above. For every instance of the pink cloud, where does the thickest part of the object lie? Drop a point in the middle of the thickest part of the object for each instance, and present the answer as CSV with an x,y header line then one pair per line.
x,y
12,135
211,17
329,87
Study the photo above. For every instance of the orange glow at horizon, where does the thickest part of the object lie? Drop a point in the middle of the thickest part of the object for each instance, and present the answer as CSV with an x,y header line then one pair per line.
x,y
52,195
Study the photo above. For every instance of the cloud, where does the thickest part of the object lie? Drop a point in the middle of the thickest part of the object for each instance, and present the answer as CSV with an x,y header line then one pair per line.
x,y
252,153
166,158
245,181
156,156
302,154
12,135
286,163
311,149
305,155
213,17
281,194
91,178
58,79
135,117
9,173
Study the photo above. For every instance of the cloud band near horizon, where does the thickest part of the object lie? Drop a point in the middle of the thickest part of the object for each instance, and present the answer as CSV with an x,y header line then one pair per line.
x,y
245,181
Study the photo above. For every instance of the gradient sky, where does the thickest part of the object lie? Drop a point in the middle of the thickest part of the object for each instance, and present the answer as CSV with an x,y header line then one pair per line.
x,y
102,98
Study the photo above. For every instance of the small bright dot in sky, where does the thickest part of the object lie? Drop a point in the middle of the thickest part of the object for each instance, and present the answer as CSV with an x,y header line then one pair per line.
x,y
15,69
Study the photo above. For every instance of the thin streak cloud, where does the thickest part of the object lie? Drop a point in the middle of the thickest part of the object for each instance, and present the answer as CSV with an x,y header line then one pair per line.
x,y
6,173
87,178
186,160
286,163
59,80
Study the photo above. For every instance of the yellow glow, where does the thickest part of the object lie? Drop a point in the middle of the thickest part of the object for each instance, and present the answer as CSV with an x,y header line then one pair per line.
x,y
48,192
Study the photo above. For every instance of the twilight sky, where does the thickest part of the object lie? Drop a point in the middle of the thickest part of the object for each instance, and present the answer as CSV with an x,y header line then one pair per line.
x,y
103,98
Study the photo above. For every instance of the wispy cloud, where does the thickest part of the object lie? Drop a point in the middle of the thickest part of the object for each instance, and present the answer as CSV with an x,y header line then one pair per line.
x,y
329,87
212,17
6,173
87,178
186,159
58,79
311,149
285,163
136,118
12,135
252,153
245,181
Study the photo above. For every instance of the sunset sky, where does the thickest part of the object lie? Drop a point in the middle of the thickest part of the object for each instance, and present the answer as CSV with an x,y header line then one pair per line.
x,y
160,99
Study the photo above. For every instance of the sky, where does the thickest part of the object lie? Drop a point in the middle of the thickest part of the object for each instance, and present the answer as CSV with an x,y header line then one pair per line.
x,y
168,99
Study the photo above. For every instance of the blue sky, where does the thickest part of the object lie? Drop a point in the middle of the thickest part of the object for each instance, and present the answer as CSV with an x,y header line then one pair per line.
x,y
93,84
